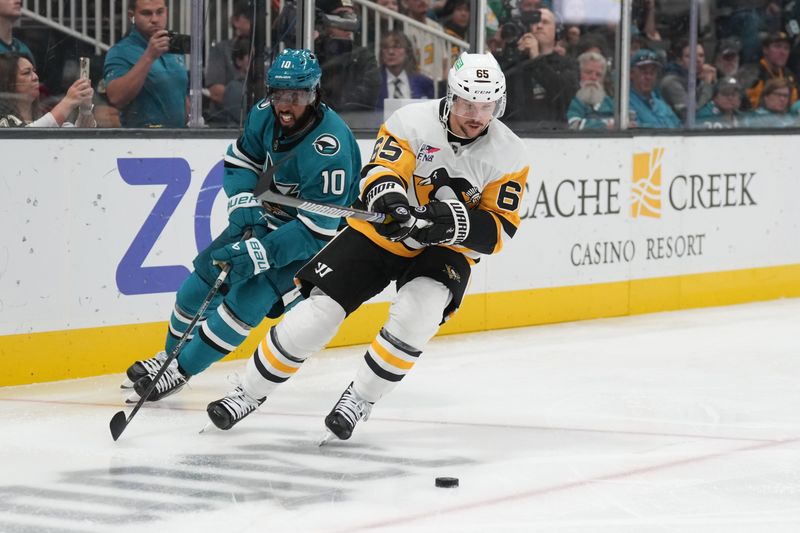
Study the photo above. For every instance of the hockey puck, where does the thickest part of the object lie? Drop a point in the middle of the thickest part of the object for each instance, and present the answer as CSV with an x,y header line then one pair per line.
x,y
447,482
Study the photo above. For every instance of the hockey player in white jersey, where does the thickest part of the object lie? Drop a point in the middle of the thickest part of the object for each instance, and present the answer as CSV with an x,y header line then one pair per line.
x,y
451,178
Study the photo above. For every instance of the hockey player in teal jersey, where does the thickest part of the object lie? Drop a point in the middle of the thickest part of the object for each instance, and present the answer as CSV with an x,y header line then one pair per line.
x,y
317,158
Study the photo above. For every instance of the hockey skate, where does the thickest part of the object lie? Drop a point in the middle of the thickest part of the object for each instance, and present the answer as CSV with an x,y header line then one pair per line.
x,y
342,420
140,369
237,404
171,382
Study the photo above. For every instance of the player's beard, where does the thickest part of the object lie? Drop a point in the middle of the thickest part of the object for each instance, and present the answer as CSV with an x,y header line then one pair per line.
x,y
591,93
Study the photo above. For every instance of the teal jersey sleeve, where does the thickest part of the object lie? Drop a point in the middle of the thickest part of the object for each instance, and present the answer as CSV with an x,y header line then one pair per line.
x,y
246,157
324,167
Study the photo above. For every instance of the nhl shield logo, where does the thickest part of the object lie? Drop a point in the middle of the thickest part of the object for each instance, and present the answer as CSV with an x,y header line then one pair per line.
x,y
326,144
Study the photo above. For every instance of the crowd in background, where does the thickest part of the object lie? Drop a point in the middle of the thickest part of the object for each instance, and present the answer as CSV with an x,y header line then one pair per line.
x,y
558,57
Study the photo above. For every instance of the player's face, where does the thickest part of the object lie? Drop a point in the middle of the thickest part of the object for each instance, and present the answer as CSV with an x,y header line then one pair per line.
x,y
149,16
469,119
290,105
27,82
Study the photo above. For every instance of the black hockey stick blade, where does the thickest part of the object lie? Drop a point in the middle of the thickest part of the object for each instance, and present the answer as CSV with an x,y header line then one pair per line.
x,y
117,424
322,208
119,421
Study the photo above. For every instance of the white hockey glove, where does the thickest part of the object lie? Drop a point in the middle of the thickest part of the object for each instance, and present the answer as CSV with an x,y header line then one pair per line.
x,y
247,259
448,223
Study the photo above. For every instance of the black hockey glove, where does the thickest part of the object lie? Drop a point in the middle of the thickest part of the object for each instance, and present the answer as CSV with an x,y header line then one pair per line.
x,y
447,223
389,197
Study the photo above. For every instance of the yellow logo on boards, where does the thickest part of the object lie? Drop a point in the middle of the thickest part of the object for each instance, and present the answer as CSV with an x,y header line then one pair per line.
x,y
646,186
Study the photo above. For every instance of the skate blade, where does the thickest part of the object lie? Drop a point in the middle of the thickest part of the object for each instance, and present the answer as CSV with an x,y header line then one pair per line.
x,y
133,398
127,384
209,425
326,439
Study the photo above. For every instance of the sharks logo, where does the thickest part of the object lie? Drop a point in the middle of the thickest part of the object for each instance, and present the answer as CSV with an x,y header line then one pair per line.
x,y
326,144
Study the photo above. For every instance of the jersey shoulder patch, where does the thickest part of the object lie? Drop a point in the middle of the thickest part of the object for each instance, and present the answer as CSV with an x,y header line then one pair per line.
x,y
326,144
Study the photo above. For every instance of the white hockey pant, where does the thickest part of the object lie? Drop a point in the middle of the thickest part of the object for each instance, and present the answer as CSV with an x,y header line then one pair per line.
x,y
304,330
414,319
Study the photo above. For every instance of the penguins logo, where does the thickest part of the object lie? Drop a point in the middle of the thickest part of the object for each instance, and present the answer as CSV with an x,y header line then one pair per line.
x,y
460,188
452,273
326,144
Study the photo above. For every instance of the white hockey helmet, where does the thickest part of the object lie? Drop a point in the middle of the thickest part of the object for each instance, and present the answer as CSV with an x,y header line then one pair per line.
x,y
476,78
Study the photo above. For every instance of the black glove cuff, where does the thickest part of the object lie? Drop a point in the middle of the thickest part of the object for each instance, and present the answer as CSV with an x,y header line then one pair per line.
x,y
374,196
461,223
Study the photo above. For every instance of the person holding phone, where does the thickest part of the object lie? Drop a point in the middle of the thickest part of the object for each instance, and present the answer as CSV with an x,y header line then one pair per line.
x,y
144,81
19,96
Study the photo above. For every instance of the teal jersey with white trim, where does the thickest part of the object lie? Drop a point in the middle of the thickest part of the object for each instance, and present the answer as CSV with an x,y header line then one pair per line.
x,y
320,163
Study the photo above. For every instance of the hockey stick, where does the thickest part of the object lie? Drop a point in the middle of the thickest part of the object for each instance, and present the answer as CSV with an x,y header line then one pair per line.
x,y
119,421
322,208
263,193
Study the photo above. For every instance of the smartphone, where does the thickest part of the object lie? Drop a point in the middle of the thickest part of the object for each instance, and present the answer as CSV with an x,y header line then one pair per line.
x,y
84,68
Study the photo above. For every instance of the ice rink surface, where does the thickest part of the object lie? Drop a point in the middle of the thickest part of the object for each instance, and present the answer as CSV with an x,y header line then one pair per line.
x,y
684,421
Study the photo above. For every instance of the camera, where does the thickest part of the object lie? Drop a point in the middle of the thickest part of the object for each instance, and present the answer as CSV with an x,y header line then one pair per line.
x,y
517,26
511,29
345,22
179,43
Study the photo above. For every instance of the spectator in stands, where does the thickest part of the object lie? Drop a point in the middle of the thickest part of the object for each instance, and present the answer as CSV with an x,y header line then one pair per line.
x,y
542,84
644,17
350,74
221,68
727,58
389,4
399,75
232,96
146,82
773,66
742,19
591,108
455,17
675,84
648,109
107,115
724,110
392,5
10,12
432,53
773,111
19,97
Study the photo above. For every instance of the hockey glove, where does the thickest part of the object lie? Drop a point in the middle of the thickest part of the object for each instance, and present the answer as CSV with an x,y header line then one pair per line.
x,y
389,197
244,211
247,259
448,223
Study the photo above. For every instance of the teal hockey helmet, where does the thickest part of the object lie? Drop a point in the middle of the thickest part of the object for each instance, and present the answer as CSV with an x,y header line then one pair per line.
x,y
294,69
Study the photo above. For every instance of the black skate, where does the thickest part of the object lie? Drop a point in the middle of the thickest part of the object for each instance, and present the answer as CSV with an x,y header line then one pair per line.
x,y
140,369
350,408
237,404
171,382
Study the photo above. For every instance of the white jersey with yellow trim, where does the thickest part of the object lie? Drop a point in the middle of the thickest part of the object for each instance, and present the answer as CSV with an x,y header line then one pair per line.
x,y
487,174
